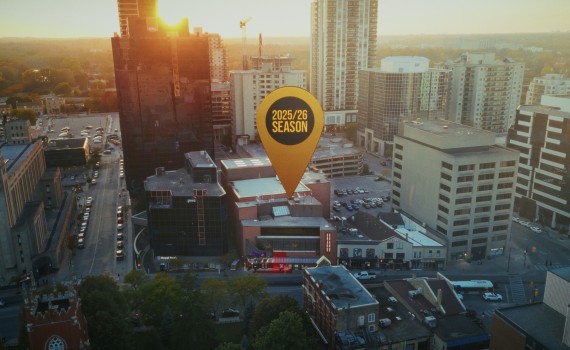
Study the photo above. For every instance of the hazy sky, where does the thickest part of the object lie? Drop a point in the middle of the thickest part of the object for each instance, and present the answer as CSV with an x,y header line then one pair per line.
x,y
277,18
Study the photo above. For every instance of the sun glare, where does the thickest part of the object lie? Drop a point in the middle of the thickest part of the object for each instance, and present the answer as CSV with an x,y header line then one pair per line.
x,y
169,12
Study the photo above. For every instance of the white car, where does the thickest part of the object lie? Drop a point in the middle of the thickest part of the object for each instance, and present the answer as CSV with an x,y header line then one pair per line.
x,y
536,229
488,296
119,227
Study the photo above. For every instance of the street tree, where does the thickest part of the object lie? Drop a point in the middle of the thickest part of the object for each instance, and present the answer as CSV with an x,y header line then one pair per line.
x,y
106,312
161,292
229,346
215,291
246,288
283,333
26,114
269,309
191,324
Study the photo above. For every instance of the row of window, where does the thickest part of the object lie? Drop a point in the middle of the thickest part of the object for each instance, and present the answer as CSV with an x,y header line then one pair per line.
x,y
480,188
490,165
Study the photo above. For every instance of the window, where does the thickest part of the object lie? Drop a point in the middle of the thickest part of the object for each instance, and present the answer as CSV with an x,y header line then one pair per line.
x,y
481,219
357,252
370,252
483,199
480,230
398,166
461,222
344,252
486,176
441,229
390,246
444,198
502,206
483,209
501,217
466,189
460,233
499,228
443,209
447,165
445,176
488,187
399,245
463,200
507,174
398,156
399,147
505,185
56,344
507,163
371,318
388,255
486,165
459,244
465,178
466,167
463,211
442,219
445,187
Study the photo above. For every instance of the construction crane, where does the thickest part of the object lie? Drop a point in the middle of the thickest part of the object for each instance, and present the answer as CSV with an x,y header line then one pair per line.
x,y
242,24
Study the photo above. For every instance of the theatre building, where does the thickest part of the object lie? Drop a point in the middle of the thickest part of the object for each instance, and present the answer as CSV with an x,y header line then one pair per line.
x,y
272,230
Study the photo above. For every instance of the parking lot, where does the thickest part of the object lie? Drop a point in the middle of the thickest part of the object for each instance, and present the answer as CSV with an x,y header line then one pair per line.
x,y
358,190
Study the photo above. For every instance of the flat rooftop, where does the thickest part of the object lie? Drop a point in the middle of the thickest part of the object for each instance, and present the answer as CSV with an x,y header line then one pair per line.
x,y
563,272
246,163
78,142
263,187
546,110
14,155
290,221
341,286
540,321
180,183
200,159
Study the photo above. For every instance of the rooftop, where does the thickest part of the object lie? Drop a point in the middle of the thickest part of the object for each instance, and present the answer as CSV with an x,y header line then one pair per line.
x,y
290,221
546,110
200,159
180,183
538,320
563,272
263,187
78,142
417,238
15,154
341,287
246,163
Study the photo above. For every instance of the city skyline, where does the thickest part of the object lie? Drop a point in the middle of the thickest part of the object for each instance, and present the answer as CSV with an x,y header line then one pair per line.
x,y
63,19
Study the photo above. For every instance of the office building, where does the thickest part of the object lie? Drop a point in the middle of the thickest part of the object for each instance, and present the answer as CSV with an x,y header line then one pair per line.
x,y
163,89
549,84
540,134
536,325
186,209
456,180
404,88
485,91
343,42
249,88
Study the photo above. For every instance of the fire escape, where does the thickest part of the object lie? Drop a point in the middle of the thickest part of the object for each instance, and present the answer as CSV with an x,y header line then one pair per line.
x,y
199,195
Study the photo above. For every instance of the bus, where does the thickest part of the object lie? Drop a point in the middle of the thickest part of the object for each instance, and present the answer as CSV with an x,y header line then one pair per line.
x,y
473,286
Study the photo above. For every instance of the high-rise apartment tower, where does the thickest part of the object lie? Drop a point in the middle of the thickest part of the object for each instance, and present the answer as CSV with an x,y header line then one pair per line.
x,y
343,41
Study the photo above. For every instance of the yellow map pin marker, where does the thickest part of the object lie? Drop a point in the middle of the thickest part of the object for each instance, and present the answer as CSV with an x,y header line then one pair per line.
x,y
290,121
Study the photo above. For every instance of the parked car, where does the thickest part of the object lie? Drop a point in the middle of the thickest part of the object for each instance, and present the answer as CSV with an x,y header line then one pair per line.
x,y
488,296
230,313
120,254
80,243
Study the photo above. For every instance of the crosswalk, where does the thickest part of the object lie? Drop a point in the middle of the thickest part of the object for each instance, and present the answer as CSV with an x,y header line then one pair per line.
x,y
542,267
517,290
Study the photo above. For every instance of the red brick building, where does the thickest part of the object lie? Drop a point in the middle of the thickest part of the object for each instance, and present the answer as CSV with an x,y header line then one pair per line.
x,y
55,322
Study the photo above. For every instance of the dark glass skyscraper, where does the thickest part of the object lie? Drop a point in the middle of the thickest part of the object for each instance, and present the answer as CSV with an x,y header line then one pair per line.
x,y
163,87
